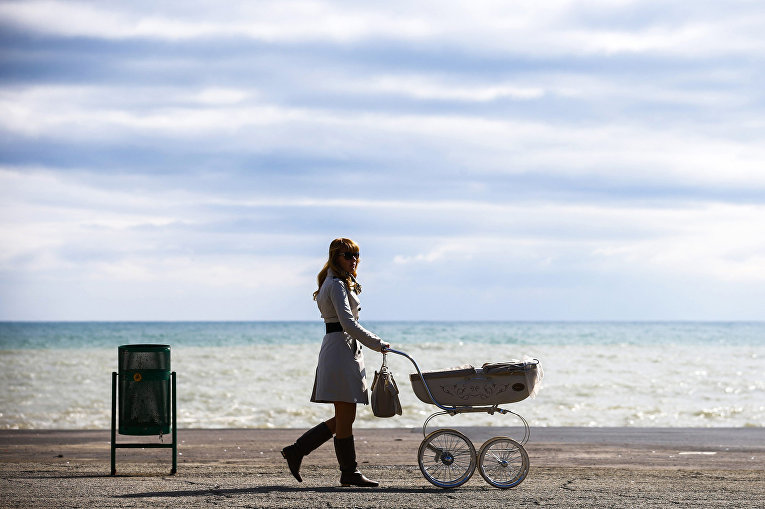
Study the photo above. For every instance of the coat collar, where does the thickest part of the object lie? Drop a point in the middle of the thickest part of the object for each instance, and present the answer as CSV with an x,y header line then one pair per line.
x,y
331,274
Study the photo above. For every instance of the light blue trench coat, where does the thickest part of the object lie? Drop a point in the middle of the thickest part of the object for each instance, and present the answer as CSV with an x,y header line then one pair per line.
x,y
340,373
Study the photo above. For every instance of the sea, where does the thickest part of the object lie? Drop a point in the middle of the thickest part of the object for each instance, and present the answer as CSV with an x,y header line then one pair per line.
x,y
260,374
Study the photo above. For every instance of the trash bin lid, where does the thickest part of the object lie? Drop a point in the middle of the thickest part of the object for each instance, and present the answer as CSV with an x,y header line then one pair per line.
x,y
148,347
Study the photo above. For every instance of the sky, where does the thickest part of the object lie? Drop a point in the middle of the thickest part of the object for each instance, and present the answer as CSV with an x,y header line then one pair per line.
x,y
495,160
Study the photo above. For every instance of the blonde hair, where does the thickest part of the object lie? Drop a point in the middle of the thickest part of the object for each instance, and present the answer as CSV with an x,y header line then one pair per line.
x,y
336,247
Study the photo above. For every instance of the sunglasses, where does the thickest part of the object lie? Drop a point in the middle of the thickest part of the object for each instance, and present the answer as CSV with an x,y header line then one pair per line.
x,y
350,256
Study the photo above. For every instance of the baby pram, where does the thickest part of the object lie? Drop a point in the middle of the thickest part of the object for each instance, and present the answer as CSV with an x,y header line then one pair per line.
x,y
447,458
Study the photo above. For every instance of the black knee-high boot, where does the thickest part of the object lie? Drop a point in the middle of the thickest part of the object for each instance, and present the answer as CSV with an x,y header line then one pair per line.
x,y
303,446
346,458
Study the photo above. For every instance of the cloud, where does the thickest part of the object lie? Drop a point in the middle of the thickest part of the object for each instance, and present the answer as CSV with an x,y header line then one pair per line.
x,y
226,120
558,27
463,250
268,21
166,150
59,223
426,88
718,242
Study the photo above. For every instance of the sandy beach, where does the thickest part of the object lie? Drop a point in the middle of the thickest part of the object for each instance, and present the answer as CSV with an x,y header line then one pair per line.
x,y
570,467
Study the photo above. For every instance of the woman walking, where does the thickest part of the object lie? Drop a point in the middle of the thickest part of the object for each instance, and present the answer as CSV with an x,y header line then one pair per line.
x,y
340,374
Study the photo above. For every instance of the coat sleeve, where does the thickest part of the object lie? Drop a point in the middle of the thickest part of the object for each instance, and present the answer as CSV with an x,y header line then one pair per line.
x,y
339,296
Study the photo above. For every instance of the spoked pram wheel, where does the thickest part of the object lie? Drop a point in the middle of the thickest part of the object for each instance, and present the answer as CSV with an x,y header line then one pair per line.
x,y
447,458
503,462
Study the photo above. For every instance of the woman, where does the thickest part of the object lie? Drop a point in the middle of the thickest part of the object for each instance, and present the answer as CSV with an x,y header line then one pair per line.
x,y
340,374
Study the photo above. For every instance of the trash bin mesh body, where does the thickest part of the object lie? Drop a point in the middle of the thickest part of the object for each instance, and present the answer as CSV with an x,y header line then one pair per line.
x,y
144,389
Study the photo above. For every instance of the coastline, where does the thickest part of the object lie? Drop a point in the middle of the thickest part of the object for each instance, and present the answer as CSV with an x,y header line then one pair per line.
x,y
570,467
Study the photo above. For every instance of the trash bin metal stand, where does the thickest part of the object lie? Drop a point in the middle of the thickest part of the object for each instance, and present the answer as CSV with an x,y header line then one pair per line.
x,y
175,430
151,445
114,421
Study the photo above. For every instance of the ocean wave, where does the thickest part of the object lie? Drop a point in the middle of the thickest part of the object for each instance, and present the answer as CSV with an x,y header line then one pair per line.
x,y
268,385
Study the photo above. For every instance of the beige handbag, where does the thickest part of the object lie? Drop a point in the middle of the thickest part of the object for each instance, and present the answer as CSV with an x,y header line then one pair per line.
x,y
385,401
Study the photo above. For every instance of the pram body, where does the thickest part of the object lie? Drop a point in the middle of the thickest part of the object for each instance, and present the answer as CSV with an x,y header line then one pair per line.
x,y
491,384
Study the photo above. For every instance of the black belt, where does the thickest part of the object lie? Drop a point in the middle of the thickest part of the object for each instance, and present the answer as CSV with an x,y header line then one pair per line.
x,y
334,327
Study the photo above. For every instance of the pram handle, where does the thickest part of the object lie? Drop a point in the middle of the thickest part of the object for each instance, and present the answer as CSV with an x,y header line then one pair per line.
x,y
424,383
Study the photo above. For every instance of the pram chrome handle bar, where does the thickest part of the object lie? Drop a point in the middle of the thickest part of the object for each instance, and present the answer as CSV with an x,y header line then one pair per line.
x,y
448,409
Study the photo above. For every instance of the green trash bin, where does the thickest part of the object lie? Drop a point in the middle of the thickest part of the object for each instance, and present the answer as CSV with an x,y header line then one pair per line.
x,y
145,403
144,389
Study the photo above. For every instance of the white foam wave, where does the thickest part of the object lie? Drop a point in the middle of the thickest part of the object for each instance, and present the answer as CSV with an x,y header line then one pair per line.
x,y
261,386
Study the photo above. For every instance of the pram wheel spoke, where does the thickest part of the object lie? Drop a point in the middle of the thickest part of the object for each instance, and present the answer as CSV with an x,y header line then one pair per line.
x,y
503,462
447,458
